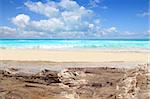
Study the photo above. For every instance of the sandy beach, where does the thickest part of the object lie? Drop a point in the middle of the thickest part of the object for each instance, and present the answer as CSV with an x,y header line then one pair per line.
x,y
74,74
74,55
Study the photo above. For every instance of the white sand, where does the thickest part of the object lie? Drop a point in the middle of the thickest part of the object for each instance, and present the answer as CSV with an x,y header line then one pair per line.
x,y
73,55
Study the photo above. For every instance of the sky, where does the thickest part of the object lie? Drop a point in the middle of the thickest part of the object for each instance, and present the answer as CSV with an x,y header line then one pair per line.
x,y
75,19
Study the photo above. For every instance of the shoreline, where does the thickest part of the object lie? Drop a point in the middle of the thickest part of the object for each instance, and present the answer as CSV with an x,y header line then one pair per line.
x,y
138,50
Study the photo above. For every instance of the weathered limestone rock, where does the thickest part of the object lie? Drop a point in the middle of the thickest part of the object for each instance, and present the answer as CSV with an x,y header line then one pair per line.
x,y
73,79
134,84
77,83
91,83
144,82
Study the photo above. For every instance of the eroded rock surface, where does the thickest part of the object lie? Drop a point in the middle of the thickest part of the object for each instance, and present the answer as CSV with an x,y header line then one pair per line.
x,y
77,83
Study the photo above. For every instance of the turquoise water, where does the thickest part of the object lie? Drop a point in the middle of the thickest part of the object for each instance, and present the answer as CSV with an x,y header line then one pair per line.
x,y
62,43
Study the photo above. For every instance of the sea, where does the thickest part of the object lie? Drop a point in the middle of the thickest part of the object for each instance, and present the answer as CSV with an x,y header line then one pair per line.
x,y
143,44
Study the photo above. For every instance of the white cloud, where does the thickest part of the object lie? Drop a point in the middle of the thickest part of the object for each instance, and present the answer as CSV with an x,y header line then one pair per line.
x,y
91,26
50,25
128,33
54,9
64,19
111,29
31,34
6,30
147,33
105,31
48,9
67,16
21,20
94,3
144,14
69,5
71,34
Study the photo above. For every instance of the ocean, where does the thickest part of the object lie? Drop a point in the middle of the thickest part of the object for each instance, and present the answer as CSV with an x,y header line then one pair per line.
x,y
75,44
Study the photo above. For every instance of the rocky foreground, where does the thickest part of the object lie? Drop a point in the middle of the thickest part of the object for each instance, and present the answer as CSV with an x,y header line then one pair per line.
x,y
77,83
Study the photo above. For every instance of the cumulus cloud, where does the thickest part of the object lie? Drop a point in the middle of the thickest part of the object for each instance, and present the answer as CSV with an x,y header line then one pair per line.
x,y
7,30
50,25
21,20
66,16
48,9
54,9
35,34
64,19
69,5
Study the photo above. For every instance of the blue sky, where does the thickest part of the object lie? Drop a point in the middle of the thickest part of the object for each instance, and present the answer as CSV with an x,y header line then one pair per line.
x,y
74,19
